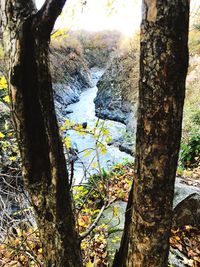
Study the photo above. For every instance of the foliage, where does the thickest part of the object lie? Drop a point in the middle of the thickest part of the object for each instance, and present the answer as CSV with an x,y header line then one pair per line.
x,y
190,151
3,83
194,33
1,52
100,135
14,206
22,245
21,249
8,148
99,47
95,47
67,60
194,41
196,27
89,199
190,144
3,90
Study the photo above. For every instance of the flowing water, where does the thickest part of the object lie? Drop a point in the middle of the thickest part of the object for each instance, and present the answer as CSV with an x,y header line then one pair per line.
x,y
84,111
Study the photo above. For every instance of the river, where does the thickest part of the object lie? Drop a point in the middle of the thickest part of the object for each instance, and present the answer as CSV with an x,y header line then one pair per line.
x,y
84,111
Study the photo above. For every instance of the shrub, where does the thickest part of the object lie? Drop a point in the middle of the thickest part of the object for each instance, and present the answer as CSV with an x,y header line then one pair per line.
x,y
190,151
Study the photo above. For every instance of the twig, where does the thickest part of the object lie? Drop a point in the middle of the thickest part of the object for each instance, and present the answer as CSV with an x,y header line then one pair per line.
x,y
178,254
94,224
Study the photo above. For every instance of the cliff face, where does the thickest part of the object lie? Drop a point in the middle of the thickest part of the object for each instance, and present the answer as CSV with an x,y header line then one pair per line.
x,y
70,76
72,54
118,89
98,47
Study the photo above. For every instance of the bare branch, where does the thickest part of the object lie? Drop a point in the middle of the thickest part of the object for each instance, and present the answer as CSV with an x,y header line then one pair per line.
x,y
94,224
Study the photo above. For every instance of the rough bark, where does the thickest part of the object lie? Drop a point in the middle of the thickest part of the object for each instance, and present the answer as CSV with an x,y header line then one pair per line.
x,y
26,35
121,256
163,68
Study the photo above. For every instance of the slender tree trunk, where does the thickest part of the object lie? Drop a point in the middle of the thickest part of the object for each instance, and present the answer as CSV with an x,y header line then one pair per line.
x,y
26,41
163,68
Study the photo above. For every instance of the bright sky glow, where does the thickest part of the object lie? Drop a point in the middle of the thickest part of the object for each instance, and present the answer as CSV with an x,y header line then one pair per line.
x,y
96,15
122,15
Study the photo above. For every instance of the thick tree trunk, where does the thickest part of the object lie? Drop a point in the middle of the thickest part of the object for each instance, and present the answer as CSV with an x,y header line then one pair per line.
x,y
44,166
163,68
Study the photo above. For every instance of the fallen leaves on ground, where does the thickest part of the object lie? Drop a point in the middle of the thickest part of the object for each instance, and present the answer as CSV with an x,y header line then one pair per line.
x,y
187,240
24,248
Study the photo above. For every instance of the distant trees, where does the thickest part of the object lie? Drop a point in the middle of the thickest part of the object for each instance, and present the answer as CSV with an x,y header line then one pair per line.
x,y
99,47
26,36
163,69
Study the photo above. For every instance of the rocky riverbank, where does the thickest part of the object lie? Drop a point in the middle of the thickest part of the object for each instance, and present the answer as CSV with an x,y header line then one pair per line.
x,y
117,96
70,76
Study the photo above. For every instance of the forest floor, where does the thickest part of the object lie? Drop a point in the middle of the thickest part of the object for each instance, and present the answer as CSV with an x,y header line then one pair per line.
x,y
23,248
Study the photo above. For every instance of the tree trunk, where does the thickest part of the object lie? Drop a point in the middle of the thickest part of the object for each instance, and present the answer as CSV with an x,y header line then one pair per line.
x,y
163,69
26,44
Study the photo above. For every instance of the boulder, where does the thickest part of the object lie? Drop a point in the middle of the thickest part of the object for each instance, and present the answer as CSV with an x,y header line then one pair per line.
x,y
186,202
127,147
63,96
187,212
114,218
183,190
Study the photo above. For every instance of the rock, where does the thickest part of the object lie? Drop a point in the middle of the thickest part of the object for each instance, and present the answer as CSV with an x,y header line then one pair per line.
x,y
118,89
114,217
84,125
70,76
187,212
116,223
63,96
127,147
182,190
112,113
69,111
4,115
69,66
117,95
131,124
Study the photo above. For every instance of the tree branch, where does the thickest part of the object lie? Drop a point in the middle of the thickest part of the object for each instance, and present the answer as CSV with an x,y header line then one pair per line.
x,y
94,224
48,14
